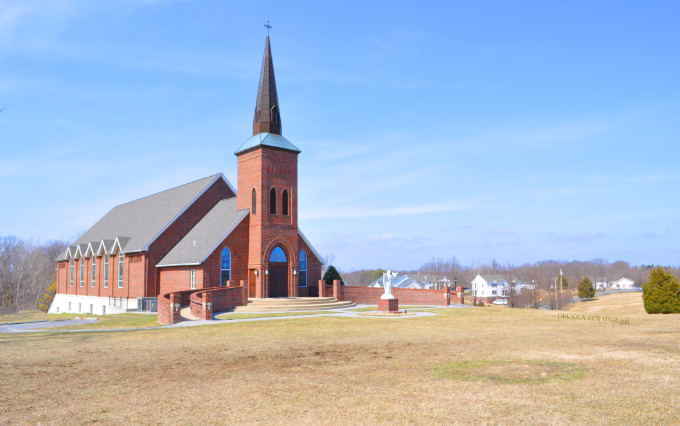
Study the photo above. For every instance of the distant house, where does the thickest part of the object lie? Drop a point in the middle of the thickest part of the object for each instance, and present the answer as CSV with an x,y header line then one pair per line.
x,y
623,284
401,281
601,283
487,288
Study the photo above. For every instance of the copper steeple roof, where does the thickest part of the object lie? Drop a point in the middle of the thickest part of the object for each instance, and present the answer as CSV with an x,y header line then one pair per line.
x,y
267,116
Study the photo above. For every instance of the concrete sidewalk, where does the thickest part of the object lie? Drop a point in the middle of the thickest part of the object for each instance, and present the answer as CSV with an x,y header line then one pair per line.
x,y
43,326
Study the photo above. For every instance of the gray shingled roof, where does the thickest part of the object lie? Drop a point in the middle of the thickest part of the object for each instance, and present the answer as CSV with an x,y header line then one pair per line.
x,y
491,278
267,139
208,233
137,223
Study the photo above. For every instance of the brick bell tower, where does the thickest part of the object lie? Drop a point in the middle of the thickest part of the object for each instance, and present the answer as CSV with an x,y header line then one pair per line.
x,y
267,185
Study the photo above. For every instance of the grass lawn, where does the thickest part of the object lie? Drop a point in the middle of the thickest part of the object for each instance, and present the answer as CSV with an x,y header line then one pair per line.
x,y
24,316
233,316
469,366
619,303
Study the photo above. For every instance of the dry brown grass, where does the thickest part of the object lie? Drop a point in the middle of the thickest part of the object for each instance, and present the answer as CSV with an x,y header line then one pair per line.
x,y
443,369
616,303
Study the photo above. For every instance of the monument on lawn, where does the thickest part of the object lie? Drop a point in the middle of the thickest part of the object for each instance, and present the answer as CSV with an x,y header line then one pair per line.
x,y
388,303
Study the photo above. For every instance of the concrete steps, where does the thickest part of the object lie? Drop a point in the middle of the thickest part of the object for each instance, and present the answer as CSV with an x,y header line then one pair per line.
x,y
292,304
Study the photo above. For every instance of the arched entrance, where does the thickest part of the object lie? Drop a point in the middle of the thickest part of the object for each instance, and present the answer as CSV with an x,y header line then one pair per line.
x,y
278,273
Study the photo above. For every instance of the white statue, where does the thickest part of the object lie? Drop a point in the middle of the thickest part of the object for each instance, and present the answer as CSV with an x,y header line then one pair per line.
x,y
387,284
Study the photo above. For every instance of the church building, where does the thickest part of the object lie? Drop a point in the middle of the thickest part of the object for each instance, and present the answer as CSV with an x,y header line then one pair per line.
x,y
201,235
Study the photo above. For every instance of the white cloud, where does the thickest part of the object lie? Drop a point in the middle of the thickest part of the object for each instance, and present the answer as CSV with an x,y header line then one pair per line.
x,y
381,237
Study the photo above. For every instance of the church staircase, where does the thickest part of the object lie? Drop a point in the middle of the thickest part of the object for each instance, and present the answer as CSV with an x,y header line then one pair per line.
x,y
292,304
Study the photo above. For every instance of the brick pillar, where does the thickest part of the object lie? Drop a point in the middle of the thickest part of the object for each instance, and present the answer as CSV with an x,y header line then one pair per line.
x,y
460,294
322,288
207,308
336,289
175,306
447,295
244,293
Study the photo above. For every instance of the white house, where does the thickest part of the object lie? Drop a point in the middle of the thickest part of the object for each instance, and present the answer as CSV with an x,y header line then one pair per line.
x,y
401,281
623,284
487,288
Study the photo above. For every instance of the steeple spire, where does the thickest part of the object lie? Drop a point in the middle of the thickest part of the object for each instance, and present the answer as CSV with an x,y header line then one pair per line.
x,y
267,116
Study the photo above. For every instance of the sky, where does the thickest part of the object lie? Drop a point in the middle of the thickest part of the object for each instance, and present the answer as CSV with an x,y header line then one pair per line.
x,y
488,130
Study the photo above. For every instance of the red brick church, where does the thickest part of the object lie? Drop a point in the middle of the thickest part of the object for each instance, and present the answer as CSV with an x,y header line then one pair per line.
x,y
201,235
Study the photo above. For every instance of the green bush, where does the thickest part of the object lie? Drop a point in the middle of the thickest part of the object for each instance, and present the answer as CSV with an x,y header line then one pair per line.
x,y
331,274
586,289
661,294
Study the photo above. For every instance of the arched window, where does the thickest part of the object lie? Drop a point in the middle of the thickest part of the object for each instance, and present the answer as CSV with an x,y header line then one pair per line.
x,y
303,269
106,271
70,280
284,201
278,255
226,267
272,201
82,270
120,269
254,209
92,272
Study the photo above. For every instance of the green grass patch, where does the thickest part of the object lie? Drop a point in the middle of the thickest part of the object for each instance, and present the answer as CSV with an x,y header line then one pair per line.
x,y
234,316
24,316
510,372
110,321
401,308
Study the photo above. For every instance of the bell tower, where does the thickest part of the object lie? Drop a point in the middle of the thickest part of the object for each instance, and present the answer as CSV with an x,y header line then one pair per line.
x,y
267,186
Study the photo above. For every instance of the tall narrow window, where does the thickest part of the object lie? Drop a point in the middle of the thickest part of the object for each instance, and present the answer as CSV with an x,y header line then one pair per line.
x,y
93,269
120,269
226,267
106,271
303,269
254,201
70,279
193,279
82,270
272,201
284,201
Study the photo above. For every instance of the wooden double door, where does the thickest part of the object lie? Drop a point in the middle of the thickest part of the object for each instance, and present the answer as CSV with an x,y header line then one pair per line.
x,y
278,279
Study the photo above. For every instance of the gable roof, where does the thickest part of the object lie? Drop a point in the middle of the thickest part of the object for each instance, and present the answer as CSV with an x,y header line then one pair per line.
x,y
270,140
137,224
491,278
195,247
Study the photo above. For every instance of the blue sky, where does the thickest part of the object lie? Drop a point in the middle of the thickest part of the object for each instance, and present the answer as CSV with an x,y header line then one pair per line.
x,y
516,131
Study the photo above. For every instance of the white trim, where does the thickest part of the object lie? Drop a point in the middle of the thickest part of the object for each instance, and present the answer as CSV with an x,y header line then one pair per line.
x,y
78,250
178,264
89,250
311,247
99,249
68,255
208,186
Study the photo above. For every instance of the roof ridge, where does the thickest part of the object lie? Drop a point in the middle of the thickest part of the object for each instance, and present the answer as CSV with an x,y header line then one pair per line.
x,y
169,189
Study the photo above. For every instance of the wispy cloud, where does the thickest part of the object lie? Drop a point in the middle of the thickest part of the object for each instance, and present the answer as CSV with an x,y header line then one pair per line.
x,y
351,212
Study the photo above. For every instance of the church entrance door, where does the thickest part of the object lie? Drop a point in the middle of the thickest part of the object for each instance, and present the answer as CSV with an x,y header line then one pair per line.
x,y
278,273
278,279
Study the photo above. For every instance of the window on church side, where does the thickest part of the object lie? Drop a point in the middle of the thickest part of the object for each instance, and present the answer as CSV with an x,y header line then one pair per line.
x,y
272,201
120,269
284,201
226,267
70,279
254,201
303,269
82,270
93,269
193,279
106,271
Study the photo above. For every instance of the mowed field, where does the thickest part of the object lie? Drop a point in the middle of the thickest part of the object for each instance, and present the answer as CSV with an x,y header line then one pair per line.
x,y
465,366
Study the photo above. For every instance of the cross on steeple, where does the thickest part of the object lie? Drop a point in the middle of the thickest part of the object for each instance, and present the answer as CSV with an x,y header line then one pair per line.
x,y
268,27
